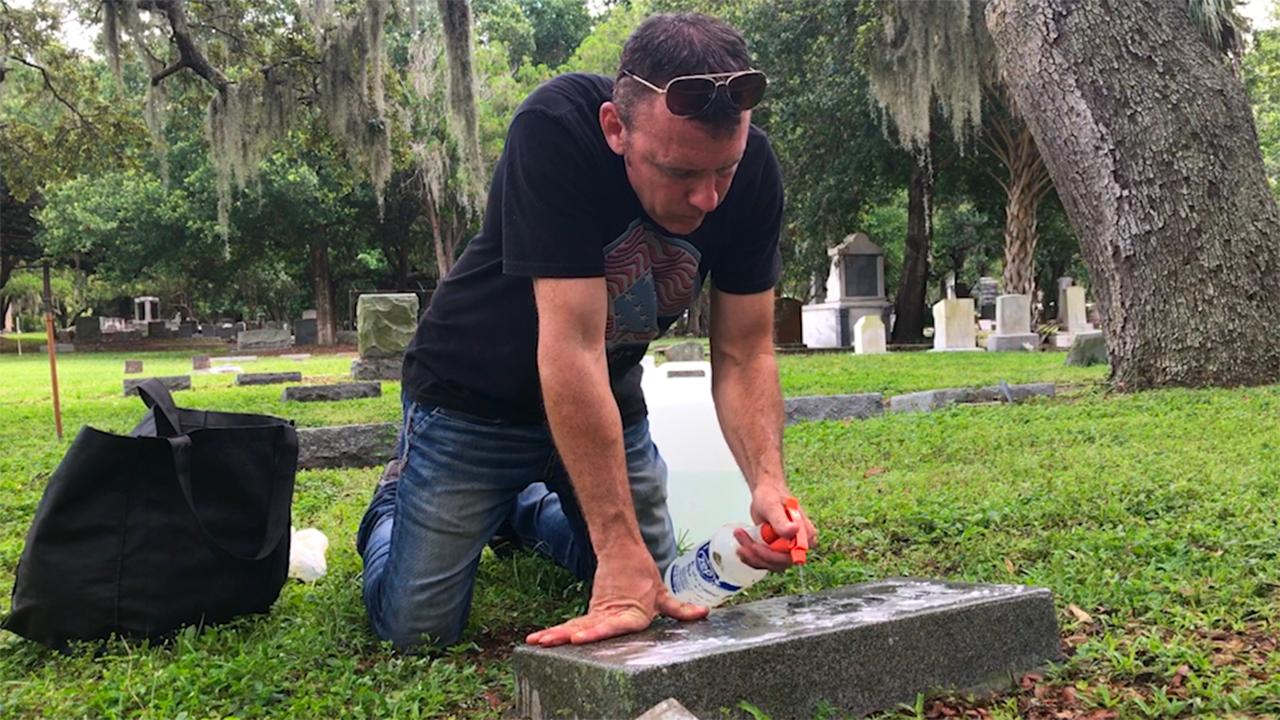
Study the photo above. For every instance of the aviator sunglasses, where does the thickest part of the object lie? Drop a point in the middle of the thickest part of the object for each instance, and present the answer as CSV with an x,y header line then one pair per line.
x,y
689,95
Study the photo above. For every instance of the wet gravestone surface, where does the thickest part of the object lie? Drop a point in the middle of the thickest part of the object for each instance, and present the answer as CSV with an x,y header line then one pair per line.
x,y
858,649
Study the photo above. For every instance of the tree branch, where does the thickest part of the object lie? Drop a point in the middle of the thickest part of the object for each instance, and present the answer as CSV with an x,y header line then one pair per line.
x,y
48,83
189,54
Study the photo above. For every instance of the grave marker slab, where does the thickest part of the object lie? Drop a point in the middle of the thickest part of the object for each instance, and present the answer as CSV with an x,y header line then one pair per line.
x,y
1013,325
861,649
346,446
268,378
200,362
685,352
172,382
265,339
88,329
331,393
953,327
377,369
1088,348
132,367
833,407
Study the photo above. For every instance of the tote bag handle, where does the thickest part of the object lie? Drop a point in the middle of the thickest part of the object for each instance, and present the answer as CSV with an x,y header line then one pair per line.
x,y
156,396
277,522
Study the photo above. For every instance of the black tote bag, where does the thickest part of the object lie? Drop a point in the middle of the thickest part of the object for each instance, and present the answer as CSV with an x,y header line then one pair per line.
x,y
183,521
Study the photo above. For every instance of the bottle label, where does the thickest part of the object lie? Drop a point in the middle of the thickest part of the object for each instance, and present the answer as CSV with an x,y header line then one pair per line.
x,y
693,578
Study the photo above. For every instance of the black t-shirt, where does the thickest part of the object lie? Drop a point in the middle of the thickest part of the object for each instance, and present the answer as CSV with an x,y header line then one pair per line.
x,y
560,205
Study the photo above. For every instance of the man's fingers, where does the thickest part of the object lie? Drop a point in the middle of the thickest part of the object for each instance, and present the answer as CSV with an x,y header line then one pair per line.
x,y
759,555
682,611
611,626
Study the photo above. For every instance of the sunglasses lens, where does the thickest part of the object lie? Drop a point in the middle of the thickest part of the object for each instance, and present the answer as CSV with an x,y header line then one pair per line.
x,y
746,91
690,96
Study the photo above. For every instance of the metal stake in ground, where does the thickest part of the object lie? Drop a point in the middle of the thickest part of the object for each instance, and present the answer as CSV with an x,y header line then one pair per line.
x,y
52,345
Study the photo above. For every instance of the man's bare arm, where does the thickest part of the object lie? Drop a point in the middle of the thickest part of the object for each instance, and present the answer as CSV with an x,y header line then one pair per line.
x,y
749,405
627,592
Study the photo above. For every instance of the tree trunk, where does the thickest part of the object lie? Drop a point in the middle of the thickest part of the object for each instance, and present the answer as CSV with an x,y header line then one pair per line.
x,y
1151,144
323,282
1025,185
909,307
443,249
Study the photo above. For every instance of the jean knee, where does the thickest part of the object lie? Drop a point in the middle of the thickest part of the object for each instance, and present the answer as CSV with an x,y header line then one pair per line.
x,y
407,636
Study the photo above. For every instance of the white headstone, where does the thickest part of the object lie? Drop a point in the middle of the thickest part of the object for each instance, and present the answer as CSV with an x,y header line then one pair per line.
x,y
953,327
1013,325
868,335
1077,320
1013,314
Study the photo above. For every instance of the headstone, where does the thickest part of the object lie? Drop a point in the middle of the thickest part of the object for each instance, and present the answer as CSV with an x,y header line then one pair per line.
x,y
200,362
157,330
930,400
833,407
305,332
88,329
1063,284
1088,348
226,331
386,323
868,335
377,369
308,314
240,327
331,393
1013,325
855,287
346,446
787,325
1075,321
953,327
64,336
173,383
187,329
132,367
268,378
853,650
988,292
265,339
684,352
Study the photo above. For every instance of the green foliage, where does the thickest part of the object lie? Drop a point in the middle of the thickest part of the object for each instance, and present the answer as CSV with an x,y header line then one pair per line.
x,y
1262,78
600,51
1152,512
558,28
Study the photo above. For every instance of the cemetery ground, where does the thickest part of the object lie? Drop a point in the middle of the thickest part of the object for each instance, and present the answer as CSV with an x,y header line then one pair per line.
x,y
1152,517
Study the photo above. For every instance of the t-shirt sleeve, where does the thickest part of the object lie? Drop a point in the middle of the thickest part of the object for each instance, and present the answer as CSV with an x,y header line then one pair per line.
x,y
549,207
755,263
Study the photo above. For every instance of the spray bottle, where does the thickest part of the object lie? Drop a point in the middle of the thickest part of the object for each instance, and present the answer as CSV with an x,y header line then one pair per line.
x,y
712,572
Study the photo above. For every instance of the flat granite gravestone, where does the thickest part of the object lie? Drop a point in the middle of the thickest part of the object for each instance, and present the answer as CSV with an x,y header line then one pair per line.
x,y
331,393
861,649
346,446
377,368
929,400
833,407
265,339
1088,348
200,362
274,378
132,367
172,382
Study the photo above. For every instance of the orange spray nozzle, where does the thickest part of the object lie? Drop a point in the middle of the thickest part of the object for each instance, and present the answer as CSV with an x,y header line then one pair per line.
x,y
797,546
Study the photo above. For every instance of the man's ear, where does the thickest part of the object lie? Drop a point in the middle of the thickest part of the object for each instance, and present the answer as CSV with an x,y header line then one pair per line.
x,y
615,132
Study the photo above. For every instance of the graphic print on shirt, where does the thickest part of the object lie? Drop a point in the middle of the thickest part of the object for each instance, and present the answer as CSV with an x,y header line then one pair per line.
x,y
651,279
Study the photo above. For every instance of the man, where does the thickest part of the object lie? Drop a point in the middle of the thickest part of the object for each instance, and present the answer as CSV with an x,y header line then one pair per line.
x,y
612,203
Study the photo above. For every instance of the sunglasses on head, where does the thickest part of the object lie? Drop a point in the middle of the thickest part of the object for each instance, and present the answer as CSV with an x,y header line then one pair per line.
x,y
689,95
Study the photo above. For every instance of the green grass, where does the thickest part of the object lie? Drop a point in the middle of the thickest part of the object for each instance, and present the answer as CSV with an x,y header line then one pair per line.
x,y
1154,513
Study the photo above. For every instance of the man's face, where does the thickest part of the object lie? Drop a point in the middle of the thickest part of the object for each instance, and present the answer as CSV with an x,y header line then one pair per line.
x,y
679,170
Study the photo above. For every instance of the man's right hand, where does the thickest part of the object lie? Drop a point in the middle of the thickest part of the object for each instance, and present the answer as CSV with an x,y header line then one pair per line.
x,y
626,596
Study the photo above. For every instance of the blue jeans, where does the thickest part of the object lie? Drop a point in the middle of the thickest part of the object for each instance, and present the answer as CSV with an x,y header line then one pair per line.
x,y
460,478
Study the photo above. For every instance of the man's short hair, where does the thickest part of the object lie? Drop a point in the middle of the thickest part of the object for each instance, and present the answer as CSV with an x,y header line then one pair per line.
x,y
669,45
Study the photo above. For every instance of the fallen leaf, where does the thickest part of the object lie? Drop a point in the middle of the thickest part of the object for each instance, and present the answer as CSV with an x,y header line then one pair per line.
x,y
1080,615
1100,715
1181,674
1008,565
1029,680
872,472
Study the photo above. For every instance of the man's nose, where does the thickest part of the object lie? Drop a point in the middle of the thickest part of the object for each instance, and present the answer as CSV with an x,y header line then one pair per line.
x,y
704,195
